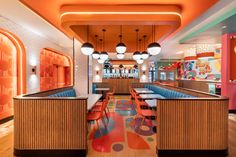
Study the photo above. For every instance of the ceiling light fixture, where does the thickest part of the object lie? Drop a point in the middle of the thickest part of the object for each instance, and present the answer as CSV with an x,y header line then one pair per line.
x,y
144,54
104,54
140,61
120,55
101,61
154,48
87,48
96,54
120,48
137,54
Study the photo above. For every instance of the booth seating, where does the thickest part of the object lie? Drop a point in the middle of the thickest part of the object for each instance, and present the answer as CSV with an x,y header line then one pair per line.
x,y
94,88
189,122
66,93
39,116
167,93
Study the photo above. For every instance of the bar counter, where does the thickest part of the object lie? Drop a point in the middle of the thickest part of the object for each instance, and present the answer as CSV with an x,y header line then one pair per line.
x,y
121,84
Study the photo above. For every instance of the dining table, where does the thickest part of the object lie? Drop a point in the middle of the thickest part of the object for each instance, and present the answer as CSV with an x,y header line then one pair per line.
x,y
151,96
143,91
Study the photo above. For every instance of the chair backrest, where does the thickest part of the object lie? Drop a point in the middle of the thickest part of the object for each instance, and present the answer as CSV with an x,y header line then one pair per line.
x,y
138,105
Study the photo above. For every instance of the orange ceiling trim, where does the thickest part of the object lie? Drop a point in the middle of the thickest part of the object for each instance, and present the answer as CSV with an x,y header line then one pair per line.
x,y
83,15
120,10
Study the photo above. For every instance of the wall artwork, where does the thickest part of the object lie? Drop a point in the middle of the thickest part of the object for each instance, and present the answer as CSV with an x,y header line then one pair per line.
x,y
55,70
204,69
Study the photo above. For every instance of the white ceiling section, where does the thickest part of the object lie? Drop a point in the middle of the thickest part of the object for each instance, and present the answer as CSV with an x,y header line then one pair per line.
x,y
25,17
171,46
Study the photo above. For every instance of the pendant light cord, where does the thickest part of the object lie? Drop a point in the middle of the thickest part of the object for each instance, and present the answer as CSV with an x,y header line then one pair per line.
x,y
144,42
96,36
120,33
101,45
87,33
136,39
140,45
104,39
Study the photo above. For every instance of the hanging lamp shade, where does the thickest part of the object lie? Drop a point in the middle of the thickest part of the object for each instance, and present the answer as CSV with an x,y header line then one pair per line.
x,y
190,54
140,61
137,55
120,55
104,55
101,61
120,48
87,48
154,48
144,55
96,55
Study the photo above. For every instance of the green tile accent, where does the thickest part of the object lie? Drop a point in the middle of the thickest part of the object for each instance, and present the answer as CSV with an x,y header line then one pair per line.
x,y
209,25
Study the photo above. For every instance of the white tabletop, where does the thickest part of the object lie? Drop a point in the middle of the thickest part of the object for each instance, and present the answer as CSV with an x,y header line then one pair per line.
x,y
143,90
102,89
92,99
152,102
151,96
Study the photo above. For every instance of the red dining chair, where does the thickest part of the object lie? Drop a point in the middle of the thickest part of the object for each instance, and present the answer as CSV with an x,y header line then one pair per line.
x,y
143,104
97,115
144,113
111,94
99,106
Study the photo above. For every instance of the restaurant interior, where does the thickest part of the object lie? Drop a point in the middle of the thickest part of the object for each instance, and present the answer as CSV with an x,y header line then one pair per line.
x,y
101,78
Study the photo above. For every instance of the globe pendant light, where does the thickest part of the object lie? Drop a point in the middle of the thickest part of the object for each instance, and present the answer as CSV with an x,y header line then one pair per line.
x,y
154,48
137,54
101,61
96,54
140,61
87,48
120,48
144,54
120,55
104,54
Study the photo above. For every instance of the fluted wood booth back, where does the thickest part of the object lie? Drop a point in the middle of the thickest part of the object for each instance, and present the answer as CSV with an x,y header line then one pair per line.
x,y
191,125
50,123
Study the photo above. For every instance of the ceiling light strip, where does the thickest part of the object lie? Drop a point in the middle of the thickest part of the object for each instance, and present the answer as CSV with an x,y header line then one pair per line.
x,y
121,13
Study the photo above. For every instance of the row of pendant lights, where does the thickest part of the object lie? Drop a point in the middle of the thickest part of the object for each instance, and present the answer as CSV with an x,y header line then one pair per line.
x,y
153,49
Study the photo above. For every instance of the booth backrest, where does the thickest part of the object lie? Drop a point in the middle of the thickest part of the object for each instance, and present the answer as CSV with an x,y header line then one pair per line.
x,y
94,88
167,93
66,93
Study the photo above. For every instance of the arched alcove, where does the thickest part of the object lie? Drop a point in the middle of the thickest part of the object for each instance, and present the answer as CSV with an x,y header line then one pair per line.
x,y
55,70
12,71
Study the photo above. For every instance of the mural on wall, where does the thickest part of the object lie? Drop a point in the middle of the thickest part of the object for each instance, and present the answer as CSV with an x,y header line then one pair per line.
x,y
8,76
55,70
207,69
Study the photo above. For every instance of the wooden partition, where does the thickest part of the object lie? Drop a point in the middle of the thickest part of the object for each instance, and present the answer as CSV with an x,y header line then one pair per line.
x,y
191,126
121,84
50,126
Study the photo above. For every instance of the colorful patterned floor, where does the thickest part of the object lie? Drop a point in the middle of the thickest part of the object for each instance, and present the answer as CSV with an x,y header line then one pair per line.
x,y
123,136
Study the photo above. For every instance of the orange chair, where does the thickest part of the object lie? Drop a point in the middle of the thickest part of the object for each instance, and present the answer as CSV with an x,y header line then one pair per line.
x,y
111,94
99,106
144,113
96,116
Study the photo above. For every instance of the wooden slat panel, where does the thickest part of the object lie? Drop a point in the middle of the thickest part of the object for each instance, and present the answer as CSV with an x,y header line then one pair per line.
x,y
192,124
50,124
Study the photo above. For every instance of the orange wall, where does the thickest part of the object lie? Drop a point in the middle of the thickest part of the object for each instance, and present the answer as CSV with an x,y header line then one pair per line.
x,y
54,70
8,76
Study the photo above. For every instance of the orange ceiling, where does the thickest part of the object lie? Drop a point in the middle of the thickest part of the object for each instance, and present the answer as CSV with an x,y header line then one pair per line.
x,y
51,11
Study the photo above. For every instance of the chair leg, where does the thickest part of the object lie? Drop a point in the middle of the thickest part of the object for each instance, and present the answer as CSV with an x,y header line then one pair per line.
x,y
98,127
106,114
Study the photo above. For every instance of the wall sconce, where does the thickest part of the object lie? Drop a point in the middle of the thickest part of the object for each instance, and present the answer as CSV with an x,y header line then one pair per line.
x,y
97,72
144,72
33,70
